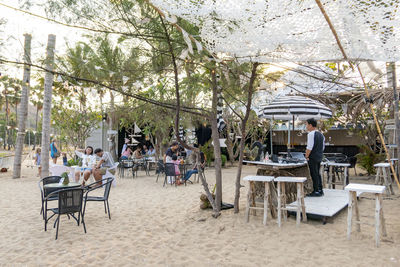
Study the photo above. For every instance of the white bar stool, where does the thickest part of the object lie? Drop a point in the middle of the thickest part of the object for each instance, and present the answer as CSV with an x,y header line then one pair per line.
x,y
282,198
379,219
267,196
383,176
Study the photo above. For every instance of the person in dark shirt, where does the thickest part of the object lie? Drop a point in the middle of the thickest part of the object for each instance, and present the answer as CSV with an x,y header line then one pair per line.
x,y
172,150
314,153
260,147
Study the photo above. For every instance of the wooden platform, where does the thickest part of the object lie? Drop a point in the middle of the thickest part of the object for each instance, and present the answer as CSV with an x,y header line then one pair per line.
x,y
333,201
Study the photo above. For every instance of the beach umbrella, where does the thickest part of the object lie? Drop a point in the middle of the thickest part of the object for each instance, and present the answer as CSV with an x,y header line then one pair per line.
x,y
290,108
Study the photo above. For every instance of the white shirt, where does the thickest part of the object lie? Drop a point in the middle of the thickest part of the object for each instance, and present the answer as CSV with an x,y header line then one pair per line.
x,y
310,140
88,161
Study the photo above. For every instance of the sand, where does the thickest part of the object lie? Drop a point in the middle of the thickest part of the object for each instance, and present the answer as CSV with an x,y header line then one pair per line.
x,y
152,225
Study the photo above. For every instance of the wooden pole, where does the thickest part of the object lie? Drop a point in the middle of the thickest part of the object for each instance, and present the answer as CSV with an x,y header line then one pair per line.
x,y
23,108
332,28
48,85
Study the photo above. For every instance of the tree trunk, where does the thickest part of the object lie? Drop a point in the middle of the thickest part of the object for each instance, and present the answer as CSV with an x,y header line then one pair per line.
x,y
393,82
111,127
215,138
243,139
23,113
7,132
36,126
48,84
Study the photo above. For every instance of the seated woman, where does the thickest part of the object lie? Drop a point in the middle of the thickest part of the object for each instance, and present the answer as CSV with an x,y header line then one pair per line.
x,y
137,154
127,153
195,169
88,161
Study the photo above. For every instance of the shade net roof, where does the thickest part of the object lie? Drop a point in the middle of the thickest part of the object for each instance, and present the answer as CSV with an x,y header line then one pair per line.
x,y
292,31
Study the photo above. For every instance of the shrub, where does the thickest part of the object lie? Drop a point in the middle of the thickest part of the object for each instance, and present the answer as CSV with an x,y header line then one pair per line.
x,y
74,162
208,150
223,160
367,158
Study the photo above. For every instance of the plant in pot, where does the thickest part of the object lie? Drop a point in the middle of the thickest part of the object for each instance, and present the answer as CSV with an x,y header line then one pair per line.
x,y
66,178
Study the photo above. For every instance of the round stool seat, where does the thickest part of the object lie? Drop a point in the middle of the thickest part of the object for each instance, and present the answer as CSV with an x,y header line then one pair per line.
x,y
382,164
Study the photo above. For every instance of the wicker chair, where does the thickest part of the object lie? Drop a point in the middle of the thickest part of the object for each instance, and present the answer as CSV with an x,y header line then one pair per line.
x,y
106,183
69,203
45,192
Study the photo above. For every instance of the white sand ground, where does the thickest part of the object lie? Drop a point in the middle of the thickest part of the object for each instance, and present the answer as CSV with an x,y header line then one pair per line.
x,y
152,225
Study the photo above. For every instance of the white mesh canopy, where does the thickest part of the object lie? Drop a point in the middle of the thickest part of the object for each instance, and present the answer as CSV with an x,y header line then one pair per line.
x,y
295,30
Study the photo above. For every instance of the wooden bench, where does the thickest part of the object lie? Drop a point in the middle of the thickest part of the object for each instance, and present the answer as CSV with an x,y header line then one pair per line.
x,y
300,207
383,176
379,218
267,196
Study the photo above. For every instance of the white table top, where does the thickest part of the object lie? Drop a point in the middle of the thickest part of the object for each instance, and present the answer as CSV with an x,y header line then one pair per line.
x,y
276,164
259,178
290,179
368,188
382,164
339,164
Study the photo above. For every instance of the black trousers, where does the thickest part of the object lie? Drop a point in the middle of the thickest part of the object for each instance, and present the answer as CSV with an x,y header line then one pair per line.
x,y
314,166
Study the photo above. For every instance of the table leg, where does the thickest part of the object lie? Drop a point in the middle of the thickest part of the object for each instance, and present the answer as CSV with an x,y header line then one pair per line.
x,y
377,220
298,212
303,206
253,197
358,226
345,177
248,203
266,197
279,205
349,214
384,233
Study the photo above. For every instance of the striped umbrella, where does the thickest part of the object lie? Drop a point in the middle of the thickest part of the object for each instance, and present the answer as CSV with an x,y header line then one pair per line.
x,y
294,107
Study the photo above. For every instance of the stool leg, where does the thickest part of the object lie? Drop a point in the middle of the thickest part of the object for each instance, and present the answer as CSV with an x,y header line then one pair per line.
x,y
358,227
386,180
303,206
284,201
349,214
253,197
345,174
329,178
248,204
377,220
377,177
389,176
382,217
279,205
271,207
266,198
298,205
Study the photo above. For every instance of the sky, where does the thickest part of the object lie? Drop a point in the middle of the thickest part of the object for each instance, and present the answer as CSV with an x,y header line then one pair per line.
x,y
18,24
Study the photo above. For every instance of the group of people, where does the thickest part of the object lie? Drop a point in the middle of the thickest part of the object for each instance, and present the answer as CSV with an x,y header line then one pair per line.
x,y
139,152
171,156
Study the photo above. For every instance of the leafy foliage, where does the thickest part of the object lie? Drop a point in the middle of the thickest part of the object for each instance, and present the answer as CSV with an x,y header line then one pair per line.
x,y
367,158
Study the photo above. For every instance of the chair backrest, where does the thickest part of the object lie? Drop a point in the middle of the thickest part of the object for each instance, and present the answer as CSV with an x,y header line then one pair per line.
x,y
160,165
352,161
49,180
169,169
57,170
126,163
70,200
107,187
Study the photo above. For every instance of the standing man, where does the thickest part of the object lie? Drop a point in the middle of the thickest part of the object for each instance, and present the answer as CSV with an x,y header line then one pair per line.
x,y
314,153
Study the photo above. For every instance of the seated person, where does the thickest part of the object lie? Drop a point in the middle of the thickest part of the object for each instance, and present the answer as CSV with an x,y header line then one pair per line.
x,y
176,162
137,154
88,162
144,150
105,161
127,153
195,169
151,152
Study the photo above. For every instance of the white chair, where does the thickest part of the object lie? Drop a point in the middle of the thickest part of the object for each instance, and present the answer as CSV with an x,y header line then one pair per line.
x,y
57,170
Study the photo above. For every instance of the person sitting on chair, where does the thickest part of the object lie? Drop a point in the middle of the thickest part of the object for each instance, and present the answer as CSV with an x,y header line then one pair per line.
x,y
195,169
151,152
137,154
88,162
103,164
127,153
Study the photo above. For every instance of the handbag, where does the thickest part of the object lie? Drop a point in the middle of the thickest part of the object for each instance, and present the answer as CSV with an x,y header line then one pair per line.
x,y
56,154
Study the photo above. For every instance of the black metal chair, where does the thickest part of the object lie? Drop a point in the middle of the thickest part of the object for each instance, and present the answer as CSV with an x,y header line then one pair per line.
x,y
106,184
69,202
160,168
125,164
169,170
353,162
44,192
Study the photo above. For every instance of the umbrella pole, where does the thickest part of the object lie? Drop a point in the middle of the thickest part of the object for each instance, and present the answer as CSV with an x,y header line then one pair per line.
x,y
270,132
292,132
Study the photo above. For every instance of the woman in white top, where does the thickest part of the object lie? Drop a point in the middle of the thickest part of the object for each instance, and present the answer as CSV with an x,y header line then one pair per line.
x,y
88,161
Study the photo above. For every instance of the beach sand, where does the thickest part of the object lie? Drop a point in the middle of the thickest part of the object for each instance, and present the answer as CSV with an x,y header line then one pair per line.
x,y
151,225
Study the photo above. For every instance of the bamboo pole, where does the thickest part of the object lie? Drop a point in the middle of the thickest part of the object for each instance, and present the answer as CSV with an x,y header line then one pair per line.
x,y
332,28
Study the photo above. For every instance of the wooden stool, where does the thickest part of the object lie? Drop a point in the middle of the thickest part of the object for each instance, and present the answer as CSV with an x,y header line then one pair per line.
x,y
383,176
332,166
379,219
282,198
250,197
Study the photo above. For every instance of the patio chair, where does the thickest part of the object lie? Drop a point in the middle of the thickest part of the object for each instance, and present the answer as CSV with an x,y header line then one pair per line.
x,y
125,164
45,192
106,184
160,168
69,203
353,162
169,171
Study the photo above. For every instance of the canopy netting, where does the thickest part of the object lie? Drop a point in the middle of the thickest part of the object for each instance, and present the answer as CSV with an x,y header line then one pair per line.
x,y
295,30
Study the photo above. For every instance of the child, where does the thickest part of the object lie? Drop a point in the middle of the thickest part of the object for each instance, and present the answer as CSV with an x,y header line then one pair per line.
x,y
37,161
176,162
65,160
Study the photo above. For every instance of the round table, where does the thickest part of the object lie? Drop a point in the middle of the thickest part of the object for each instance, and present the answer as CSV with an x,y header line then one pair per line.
x,y
62,186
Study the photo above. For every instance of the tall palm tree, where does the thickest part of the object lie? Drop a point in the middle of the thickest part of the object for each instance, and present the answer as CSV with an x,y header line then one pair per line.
x,y
48,84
